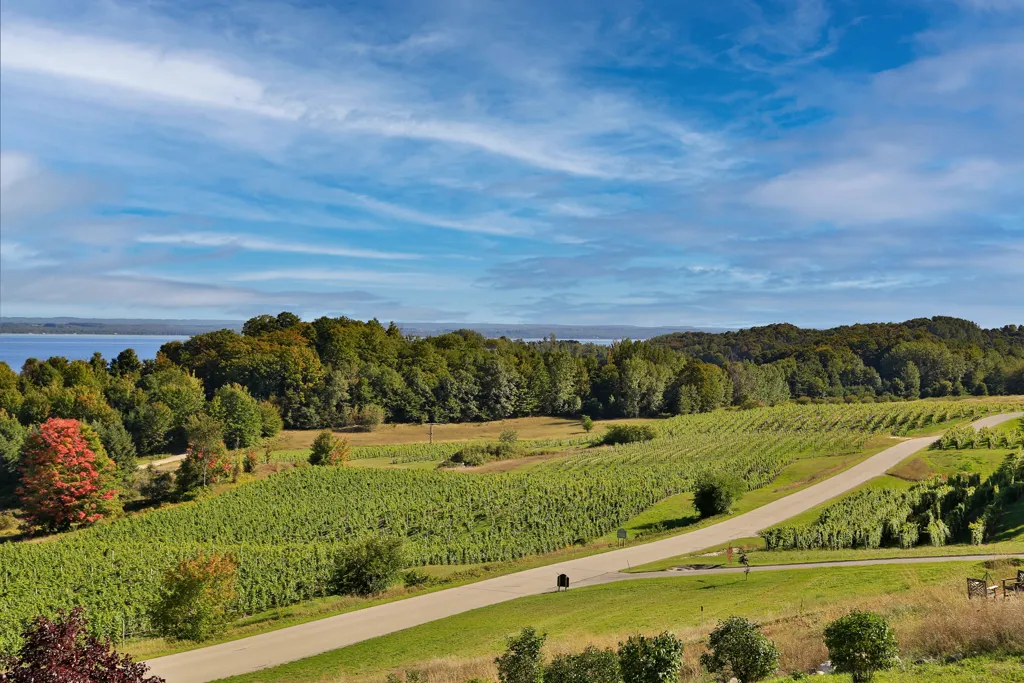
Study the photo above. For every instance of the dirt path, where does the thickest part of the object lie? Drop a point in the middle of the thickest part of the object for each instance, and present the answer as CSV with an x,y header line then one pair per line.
x,y
305,640
162,461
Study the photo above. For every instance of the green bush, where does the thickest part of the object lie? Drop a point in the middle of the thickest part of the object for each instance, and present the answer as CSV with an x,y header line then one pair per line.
x,y
860,644
196,598
476,454
414,578
587,423
715,493
508,436
739,648
7,522
521,662
328,450
627,433
590,666
650,660
367,418
368,567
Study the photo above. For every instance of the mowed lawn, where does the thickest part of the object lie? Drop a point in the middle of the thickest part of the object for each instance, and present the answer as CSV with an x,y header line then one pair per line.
x,y
601,614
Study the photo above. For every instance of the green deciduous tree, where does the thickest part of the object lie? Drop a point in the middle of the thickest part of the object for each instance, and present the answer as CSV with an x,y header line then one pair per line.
x,y
270,419
197,597
240,414
522,659
121,449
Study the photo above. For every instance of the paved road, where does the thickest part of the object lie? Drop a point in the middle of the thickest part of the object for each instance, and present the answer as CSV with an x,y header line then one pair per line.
x,y
623,576
305,640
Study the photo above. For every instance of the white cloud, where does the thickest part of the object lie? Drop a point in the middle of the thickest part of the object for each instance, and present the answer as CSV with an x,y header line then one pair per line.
x,y
380,279
15,168
251,243
872,190
145,70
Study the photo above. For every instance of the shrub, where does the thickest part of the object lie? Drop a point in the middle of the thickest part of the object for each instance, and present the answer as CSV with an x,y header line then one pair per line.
x,y
627,433
368,567
860,644
715,493
7,522
476,454
414,578
66,477
650,660
508,436
196,597
587,423
738,648
157,486
521,662
590,666
249,461
62,650
329,450
367,418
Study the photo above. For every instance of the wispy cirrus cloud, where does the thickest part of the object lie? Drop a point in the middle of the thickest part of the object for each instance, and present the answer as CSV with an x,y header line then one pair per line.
x,y
723,165
252,243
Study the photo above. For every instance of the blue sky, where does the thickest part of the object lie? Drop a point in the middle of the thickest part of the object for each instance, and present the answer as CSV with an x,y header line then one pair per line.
x,y
723,164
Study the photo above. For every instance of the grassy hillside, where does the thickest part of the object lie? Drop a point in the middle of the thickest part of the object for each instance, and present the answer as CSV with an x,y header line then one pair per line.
x,y
926,603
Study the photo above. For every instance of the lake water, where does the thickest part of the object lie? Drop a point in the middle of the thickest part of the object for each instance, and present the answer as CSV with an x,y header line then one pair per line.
x,y
15,349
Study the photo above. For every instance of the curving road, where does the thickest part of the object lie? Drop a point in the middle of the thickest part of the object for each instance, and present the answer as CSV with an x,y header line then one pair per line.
x,y
305,640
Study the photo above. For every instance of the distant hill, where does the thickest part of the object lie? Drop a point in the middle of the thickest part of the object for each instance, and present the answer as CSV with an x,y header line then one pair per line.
x,y
420,329
154,326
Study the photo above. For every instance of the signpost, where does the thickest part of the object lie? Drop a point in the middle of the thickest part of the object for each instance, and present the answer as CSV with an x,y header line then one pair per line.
x,y
621,535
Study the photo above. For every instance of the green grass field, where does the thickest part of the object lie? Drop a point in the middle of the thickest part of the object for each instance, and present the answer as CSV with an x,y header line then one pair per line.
x,y
972,670
601,614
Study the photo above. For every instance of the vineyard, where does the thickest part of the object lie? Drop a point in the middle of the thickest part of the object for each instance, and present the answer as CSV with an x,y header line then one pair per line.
x,y
285,530
936,512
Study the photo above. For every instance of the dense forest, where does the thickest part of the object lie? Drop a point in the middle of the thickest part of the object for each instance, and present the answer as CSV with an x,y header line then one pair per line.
x,y
336,372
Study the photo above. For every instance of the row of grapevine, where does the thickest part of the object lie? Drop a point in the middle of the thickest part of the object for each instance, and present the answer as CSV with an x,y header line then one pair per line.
x,y
936,512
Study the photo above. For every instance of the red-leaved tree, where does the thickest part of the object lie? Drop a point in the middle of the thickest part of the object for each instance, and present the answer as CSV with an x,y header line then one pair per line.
x,y
67,479
61,651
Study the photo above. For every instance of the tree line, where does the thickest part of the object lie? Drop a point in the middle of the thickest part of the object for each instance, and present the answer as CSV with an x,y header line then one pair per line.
x,y
336,372
924,357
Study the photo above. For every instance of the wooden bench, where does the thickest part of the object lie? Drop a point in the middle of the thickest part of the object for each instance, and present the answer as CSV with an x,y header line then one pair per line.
x,y
979,588
1014,586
